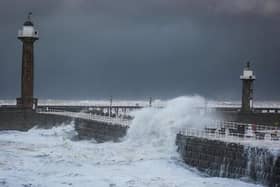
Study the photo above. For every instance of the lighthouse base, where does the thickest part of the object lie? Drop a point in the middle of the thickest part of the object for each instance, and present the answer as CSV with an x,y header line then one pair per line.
x,y
29,103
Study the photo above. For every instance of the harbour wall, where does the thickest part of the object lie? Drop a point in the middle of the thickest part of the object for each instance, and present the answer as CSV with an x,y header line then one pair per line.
x,y
23,120
271,119
100,131
223,159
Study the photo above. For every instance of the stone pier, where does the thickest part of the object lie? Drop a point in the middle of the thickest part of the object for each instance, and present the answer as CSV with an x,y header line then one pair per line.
x,y
102,130
225,159
23,120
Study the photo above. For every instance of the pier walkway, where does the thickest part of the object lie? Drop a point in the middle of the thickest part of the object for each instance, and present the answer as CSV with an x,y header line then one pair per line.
x,y
90,116
242,133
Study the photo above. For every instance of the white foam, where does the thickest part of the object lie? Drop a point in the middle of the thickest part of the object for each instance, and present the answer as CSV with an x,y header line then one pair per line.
x,y
146,157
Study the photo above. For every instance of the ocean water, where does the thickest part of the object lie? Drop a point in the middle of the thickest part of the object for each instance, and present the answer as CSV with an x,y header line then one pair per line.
x,y
145,157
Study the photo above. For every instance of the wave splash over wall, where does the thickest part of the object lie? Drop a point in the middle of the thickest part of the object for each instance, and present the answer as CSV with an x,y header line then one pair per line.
x,y
157,128
145,157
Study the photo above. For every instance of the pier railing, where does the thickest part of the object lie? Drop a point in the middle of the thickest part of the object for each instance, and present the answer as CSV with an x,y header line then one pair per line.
x,y
89,116
232,125
269,136
234,131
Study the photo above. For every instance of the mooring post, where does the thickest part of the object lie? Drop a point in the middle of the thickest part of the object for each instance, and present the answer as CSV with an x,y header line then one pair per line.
x,y
150,101
110,108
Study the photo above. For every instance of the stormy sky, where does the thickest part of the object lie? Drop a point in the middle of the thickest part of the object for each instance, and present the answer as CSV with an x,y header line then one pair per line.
x,y
134,49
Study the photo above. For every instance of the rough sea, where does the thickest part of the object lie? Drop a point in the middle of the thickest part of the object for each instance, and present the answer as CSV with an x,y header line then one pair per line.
x,y
146,157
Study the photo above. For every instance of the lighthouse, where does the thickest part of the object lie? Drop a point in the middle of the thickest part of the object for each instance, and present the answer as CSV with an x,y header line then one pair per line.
x,y
27,35
247,78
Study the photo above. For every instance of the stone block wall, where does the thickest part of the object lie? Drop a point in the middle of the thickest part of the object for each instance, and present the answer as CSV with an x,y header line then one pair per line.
x,y
101,132
87,129
271,119
223,159
24,120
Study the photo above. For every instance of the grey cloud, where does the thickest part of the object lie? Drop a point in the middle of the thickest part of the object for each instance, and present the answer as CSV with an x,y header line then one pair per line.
x,y
142,48
12,10
181,7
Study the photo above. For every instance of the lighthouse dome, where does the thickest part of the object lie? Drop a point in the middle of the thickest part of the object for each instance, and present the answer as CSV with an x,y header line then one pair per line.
x,y
28,23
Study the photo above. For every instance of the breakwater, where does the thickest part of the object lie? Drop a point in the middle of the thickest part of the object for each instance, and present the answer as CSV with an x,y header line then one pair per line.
x,y
87,126
100,131
23,120
271,119
91,126
230,159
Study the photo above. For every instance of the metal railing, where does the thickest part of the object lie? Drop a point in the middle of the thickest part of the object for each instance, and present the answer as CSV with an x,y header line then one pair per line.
x,y
88,116
235,131
33,34
231,124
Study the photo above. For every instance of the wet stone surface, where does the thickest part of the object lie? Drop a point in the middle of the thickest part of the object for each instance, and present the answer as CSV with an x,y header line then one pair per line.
x,y
233,160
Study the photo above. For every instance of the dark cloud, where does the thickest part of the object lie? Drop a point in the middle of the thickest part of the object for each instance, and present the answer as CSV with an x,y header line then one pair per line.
x,y
137,48
14,11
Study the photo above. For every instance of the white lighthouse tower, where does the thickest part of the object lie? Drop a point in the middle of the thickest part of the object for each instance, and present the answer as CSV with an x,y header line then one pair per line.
x,y
28,35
